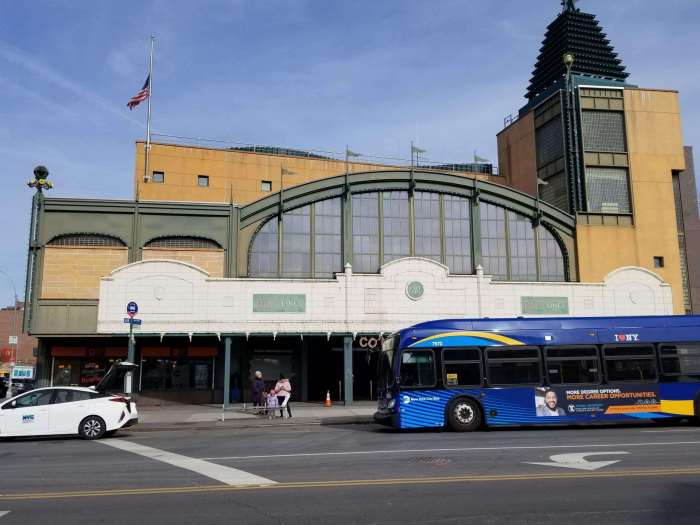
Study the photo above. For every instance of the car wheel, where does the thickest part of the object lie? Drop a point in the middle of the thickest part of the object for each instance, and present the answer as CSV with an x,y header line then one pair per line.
x,y
92,427
464,415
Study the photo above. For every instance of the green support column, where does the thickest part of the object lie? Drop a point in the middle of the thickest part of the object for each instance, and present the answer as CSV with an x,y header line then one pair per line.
x,y
227,372
347,370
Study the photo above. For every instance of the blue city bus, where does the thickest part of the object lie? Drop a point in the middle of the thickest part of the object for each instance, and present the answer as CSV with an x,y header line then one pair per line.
x,y
467,373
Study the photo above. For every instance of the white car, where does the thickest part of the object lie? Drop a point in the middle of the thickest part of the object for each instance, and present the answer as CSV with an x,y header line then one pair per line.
x,y
89,412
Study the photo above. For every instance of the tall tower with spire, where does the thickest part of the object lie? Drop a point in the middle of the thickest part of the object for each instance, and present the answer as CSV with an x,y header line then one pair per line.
x,y
599,148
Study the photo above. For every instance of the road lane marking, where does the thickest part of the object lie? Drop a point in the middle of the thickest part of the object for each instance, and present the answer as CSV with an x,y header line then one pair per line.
x,y
466,449
578,461
473,478
673,430
4,513
227,475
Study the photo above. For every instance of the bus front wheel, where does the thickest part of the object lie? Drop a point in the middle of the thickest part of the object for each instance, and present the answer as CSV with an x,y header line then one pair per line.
x,y
464,415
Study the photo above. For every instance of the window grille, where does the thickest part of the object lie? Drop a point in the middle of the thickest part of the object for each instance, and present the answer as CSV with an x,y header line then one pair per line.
x,y
86,240
182,243
603,131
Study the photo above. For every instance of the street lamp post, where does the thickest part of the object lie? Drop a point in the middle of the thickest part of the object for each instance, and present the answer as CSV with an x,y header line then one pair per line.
x,y
40,183
13,353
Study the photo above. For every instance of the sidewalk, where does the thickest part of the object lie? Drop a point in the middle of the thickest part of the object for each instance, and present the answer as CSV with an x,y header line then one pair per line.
x,y
175,416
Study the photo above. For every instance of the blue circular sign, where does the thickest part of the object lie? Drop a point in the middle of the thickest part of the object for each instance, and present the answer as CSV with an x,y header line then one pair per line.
x,y
132,308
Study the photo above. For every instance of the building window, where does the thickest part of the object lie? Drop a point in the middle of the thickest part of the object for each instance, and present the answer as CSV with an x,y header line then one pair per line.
x,y
90,240
427,225
493,241
158,177
550,142
183,243
521,238
658,262
203,181
395,222
551,257
263,254
458,246
296,243
607,190
327,238
266,185
365,232
603,131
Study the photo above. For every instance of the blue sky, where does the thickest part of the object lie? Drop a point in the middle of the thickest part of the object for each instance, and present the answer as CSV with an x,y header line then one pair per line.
x,y
313,74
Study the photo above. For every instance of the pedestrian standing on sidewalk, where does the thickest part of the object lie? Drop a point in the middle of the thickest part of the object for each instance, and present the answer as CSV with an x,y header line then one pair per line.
x,y
283,390
257,389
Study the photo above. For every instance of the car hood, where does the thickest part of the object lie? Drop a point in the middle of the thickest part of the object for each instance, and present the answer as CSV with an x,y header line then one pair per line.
x,y
114,378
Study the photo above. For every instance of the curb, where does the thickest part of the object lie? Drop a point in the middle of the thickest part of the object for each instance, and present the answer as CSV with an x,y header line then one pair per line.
x,y
247,424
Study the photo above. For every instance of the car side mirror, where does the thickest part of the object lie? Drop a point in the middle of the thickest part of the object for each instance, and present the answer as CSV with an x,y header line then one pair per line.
x,y
11,404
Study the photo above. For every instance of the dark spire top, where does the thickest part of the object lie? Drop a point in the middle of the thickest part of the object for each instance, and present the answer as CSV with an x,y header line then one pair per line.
x,y
580,34
569,6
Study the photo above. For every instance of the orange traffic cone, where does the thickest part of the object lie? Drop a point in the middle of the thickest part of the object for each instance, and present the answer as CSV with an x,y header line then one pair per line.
x,y
327,402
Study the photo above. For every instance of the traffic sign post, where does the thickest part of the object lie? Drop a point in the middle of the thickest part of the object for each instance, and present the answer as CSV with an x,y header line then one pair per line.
x,y
131,310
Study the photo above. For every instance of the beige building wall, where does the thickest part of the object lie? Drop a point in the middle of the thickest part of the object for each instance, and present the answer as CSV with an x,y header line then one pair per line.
x,y
517,162
655,148
74,273
211,261
235,175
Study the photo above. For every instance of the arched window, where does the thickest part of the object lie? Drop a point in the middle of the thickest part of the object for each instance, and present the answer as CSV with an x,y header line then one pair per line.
x,y
263,253
296,243
521,241
395,225
458,245
380,224
427,225
365,232
494,251
328,237
551,257
90,240
183,242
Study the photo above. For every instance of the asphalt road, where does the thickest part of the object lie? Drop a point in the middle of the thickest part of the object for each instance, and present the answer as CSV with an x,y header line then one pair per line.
x,y
357,474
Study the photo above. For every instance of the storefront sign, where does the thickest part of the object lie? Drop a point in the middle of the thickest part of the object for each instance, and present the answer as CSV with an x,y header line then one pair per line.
x,y
279,303
12,340
23,372
544,305
369,342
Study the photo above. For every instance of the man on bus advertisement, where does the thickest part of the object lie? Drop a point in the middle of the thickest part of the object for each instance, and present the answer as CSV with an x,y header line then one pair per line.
x,y
561,401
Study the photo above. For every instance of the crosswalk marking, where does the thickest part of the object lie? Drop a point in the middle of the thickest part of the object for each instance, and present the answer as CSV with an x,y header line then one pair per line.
x,y
227,475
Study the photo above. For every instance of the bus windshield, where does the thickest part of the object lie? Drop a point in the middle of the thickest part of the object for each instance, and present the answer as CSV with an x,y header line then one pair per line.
x,y
385,371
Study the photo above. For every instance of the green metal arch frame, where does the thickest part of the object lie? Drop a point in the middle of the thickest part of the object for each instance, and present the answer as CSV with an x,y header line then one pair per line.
x,y
555,221
439,182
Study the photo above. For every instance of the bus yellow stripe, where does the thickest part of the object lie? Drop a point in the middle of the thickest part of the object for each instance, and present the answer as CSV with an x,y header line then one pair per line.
x,y
483,335
682,408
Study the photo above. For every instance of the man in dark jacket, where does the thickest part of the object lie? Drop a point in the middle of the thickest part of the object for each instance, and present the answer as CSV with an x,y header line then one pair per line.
x,y
257,389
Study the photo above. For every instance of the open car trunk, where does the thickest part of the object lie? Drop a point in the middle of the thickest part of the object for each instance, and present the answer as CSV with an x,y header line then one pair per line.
x,y
113,380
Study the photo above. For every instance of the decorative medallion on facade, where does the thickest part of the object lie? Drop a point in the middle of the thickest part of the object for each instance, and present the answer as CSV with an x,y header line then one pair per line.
x,y
415,290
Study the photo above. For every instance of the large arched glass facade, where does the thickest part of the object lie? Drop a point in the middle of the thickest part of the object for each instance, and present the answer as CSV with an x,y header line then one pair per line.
x,y
387,225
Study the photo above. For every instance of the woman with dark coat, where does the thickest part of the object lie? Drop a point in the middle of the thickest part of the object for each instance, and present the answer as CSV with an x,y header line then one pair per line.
x,y
257,389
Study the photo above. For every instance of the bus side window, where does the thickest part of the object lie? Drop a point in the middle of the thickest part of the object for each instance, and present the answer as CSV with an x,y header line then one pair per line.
x,y
418,368
572,365
461,367
681,360
630,363
513,366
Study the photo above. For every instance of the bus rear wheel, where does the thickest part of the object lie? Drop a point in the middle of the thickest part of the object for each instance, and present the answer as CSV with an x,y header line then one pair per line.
x,y
464,415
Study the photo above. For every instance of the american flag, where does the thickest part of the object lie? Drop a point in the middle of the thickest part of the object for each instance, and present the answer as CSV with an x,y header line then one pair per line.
x,y
141,95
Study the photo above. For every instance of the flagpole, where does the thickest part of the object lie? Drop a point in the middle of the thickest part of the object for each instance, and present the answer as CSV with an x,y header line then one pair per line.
x,y
148,121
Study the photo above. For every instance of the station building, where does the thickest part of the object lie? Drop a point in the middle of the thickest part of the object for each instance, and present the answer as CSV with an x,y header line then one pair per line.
x,y
245,259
